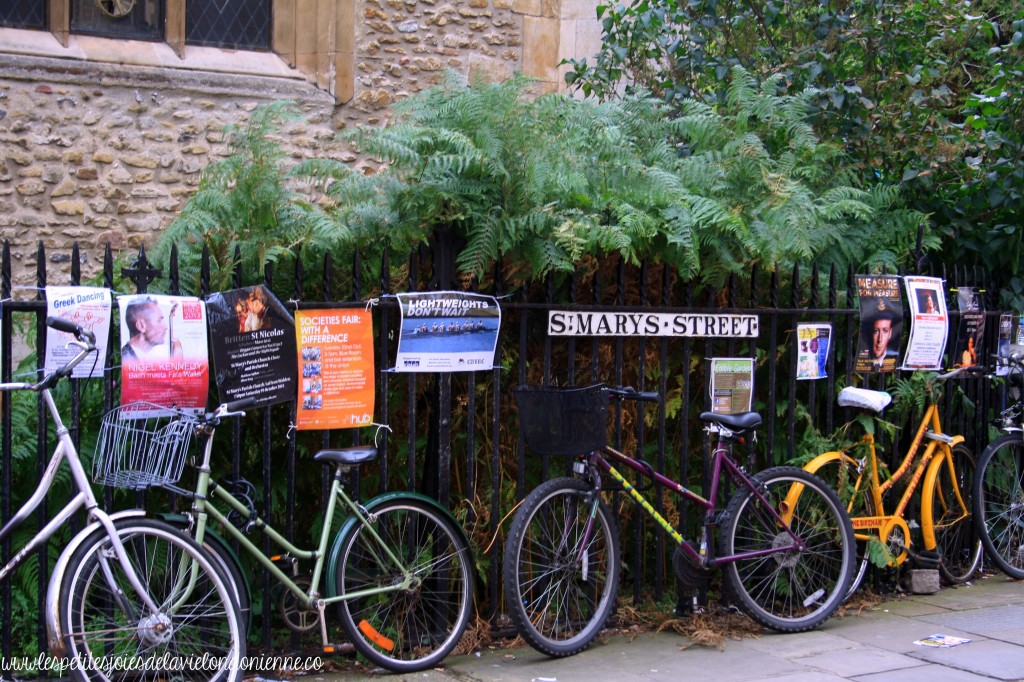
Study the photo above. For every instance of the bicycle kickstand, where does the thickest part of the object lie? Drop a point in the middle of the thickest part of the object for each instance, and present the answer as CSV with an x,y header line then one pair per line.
x,y
329,648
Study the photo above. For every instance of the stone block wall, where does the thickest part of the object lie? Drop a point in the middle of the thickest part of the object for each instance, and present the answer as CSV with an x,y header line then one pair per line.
x,y
89,157
103,141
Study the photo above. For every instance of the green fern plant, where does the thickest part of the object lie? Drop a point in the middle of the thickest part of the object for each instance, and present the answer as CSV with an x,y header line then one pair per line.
x,y
251,207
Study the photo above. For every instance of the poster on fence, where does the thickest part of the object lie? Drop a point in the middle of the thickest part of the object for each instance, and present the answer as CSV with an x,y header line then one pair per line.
x,y
90,309
163,353
813,341
336,388
447,331
881,323
1004,347
971,334
732,385
254,346
929,323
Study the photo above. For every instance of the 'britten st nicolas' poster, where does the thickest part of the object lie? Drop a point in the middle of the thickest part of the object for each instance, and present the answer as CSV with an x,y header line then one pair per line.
x,y
253,342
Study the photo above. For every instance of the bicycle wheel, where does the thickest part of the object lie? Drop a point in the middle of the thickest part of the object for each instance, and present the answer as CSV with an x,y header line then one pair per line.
x,y
795,590
561,583
112,635
956,538
841,473
999,503
414,628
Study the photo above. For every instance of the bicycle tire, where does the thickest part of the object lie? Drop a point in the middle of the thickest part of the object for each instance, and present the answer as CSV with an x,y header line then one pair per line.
x,y
999,503
413,629
558,604
856,497
798,590
956,538
108,631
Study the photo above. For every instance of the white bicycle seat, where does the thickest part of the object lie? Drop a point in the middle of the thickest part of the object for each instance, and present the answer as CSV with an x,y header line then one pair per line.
x,y
864,398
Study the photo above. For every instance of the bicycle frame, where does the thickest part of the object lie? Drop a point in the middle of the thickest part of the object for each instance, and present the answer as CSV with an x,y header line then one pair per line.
x,y
203,511
940,444
65,451
721,462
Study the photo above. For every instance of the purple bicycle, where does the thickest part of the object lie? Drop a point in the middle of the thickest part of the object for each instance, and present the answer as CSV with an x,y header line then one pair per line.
x,y
787,544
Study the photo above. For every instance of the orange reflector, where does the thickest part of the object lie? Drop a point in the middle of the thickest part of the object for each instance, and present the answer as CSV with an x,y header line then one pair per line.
x,y
276,557
375,637
329,649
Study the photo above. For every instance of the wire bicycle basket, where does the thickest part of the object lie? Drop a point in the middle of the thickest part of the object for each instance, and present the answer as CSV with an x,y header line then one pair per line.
x,y
137,450
563,421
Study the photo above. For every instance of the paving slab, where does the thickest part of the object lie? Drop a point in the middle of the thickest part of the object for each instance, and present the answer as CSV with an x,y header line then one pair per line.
x,y
930,673
993,659
791,646
849,663
1005,623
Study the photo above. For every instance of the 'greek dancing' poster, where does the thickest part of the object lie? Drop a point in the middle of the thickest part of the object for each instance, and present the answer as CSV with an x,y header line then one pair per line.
x,y
89,308
447,331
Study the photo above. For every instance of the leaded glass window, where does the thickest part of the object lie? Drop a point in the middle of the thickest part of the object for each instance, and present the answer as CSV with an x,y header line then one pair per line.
x,y
23,13
134,19
235,24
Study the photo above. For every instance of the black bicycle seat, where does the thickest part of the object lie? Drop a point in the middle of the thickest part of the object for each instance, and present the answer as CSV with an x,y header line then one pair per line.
x,y
744,421
356,455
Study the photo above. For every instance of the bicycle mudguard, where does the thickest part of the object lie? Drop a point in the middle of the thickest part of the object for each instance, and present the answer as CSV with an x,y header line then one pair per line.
x,y
54,635
335,552
210,535
824,458
931,475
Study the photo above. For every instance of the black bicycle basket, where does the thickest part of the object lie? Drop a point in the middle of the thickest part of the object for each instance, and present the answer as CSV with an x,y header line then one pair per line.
x,y
563,421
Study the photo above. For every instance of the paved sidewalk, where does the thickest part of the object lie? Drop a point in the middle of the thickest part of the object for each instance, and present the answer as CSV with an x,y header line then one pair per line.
x,y
874,646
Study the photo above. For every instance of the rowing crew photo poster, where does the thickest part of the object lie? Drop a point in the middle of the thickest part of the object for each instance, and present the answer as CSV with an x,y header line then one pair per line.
x,y
447,331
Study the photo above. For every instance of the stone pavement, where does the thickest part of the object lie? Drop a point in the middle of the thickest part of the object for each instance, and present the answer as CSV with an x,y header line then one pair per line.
x,y
873,646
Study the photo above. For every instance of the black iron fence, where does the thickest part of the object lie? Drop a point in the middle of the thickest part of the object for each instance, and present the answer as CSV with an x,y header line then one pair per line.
x,y
455,436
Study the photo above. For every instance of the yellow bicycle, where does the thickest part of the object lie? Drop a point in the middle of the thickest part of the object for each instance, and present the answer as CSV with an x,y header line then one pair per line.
x,y
946,466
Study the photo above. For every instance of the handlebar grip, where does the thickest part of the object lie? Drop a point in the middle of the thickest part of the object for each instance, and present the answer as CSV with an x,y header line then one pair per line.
x,y
62,325
629,393
240,405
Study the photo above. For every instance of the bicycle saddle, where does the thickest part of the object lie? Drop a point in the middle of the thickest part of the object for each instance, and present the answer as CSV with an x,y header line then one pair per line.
x,y
744,421
356,455
864,398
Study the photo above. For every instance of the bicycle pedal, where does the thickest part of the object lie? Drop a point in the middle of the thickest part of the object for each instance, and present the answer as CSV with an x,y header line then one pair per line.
x,y
342,649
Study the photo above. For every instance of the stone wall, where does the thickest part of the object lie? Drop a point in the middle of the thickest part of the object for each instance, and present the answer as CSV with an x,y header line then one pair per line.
x,y
89,157
103,141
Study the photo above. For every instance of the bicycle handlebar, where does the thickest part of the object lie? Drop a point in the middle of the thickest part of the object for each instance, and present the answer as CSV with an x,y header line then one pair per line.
x,y
85,341
970,369
233,408
629,393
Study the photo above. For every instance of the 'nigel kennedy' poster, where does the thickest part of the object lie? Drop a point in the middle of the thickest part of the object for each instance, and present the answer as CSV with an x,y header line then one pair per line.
x,y
163,353
929,323
447,331
254,352
90,309
336,389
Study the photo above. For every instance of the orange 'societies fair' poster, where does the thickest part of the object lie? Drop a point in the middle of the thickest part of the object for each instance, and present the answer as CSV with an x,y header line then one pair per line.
x,y
336,389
